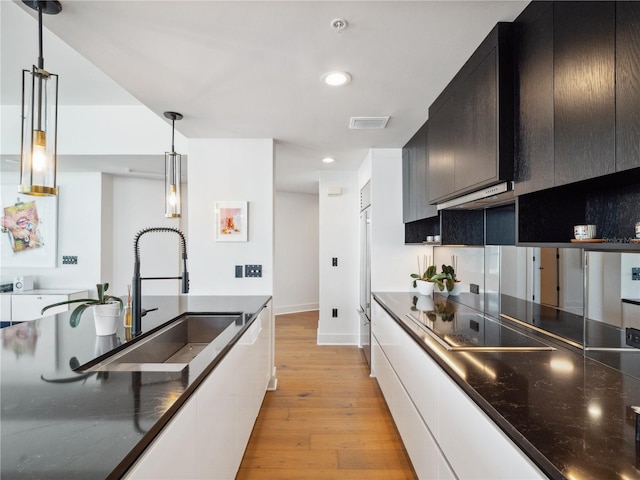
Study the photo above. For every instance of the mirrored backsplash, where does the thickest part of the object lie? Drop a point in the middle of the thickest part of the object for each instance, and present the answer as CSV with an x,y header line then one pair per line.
x,y
586,298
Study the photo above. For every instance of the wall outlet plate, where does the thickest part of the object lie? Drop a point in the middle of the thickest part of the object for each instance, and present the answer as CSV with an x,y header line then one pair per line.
x,y
473,288
635,273
69,259
632,337
253,270
238,271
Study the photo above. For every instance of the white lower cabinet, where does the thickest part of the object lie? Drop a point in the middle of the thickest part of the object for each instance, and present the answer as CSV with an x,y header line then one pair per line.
x,y
213,428
445,433
28,305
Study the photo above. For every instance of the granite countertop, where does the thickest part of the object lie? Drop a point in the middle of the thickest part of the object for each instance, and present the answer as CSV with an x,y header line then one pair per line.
x,y
57,423
568,412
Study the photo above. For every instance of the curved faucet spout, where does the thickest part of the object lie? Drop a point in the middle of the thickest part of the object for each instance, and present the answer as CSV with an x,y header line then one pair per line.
x,y
136,290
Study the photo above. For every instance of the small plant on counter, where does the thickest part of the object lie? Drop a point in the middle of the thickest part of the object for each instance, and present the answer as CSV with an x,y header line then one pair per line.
x,y
103,299
446,278
429,271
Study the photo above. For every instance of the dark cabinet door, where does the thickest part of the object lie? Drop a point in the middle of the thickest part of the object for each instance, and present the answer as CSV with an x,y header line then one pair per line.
x,y
441,142
584,89
476,162
627,85
414,175
407,213
534,105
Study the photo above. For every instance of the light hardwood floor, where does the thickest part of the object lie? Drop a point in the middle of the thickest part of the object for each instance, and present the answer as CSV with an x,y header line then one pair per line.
x,y
327,419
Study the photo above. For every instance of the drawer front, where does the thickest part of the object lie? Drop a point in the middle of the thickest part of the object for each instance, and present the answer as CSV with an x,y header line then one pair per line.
x,y
28,307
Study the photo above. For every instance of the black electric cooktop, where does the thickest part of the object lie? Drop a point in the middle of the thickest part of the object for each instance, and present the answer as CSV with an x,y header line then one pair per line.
x,y
457,328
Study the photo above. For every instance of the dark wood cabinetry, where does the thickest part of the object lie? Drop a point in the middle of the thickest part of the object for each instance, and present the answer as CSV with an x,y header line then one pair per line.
x,y
577,122
627,85
441,137
471,123
476,144
534,105
566,94
414,179
584,90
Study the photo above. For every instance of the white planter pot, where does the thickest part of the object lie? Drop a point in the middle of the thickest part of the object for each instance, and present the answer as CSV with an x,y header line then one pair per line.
x,y
106,318
424,287
424,303
456,289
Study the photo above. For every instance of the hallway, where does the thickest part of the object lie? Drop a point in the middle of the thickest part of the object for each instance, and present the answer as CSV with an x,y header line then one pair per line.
x,y
327,419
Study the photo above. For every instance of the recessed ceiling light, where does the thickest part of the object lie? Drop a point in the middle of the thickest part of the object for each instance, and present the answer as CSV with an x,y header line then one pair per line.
x,y
336,79
328,160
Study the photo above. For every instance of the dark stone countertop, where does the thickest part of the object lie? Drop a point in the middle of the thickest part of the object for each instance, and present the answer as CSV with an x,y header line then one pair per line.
x,y
632,301
568,412
57,423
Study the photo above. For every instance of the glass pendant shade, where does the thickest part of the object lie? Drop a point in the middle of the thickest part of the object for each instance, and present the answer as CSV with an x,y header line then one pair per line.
x,y
39,139
172,190
38,148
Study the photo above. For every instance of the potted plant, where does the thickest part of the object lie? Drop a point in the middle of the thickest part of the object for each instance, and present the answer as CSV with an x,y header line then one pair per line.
x,y
106,310
446,279
424,281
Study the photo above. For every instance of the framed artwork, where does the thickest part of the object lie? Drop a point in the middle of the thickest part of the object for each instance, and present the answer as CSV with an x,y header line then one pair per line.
x,y
231,221
29,230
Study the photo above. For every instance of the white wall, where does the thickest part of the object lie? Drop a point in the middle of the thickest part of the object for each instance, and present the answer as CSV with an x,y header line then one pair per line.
x,y
230,169
79,233
392,262
138,203
339,232
99,130
296,267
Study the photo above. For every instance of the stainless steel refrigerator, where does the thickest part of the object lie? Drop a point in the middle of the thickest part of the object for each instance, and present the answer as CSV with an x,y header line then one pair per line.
x,y
365,271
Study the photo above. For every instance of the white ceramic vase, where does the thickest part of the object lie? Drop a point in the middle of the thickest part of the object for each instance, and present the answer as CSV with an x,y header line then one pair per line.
x,y
456,289
424,287
106,318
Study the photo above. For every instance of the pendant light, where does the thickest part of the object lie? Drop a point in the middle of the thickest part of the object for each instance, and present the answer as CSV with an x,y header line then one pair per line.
x,y
172,171
39,118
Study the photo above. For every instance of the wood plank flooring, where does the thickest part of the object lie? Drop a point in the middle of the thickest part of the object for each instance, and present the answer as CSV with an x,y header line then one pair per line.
x,y
327,419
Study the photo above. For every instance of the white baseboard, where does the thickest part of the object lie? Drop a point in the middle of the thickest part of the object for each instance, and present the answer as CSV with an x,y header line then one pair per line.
x,y
338,339
306,307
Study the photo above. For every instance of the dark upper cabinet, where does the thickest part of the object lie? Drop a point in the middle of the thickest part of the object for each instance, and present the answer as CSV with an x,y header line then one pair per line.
x,y
584,90
627,85
476,148
414,179
471,123
441,138
534,104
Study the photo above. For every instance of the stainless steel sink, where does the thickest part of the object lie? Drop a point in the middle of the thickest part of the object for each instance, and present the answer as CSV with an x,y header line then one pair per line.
x,y
172,347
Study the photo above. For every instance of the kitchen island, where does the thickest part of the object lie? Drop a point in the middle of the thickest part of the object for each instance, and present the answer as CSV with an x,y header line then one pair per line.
x,y
61,422
567,414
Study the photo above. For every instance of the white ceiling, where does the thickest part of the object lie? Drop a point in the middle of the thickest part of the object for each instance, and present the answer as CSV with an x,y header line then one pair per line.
x,y
252,69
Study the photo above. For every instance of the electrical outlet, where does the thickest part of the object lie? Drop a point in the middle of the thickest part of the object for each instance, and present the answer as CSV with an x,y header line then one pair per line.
x,y
632,336
334,313
334,262
253,270
473,288
69,259
473,325
238,271
635,273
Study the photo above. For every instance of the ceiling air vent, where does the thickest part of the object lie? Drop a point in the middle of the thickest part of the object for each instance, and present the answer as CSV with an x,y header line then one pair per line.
x,y
367,123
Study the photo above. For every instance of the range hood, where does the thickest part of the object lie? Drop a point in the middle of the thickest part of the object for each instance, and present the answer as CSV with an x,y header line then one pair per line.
x,y
499,194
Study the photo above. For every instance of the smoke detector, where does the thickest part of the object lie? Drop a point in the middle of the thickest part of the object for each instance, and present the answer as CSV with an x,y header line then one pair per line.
x,y
338,24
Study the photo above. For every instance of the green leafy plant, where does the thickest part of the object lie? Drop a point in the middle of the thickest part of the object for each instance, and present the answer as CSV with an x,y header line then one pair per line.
x,y
429,271
446,278
103,299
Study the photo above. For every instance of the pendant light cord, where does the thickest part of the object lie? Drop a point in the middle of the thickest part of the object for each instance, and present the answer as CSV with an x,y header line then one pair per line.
x,y
173,131
40,56
40,63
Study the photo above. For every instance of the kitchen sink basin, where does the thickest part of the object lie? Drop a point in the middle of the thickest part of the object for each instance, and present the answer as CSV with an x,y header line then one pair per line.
x,y
172,347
